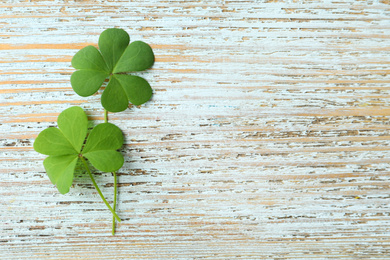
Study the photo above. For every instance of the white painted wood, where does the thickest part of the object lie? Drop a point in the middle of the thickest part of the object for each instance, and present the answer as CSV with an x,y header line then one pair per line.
x,y
267,135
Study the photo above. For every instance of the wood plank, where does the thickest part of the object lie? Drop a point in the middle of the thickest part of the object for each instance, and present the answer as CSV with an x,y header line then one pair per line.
x,y
267,135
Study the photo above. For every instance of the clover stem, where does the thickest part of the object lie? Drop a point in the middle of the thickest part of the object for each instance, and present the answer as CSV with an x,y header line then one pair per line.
x,y
115,181
98,190
105,116
114,205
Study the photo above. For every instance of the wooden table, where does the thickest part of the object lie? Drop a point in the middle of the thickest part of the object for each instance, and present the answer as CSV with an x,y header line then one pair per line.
x,y
267,136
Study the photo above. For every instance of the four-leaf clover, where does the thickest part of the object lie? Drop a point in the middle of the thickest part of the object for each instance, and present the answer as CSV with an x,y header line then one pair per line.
x,y
114,59
65,146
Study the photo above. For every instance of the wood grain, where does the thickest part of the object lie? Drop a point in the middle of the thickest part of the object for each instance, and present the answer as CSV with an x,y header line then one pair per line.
x,y
267,136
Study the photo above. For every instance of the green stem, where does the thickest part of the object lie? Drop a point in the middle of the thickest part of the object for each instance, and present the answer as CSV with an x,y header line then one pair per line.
x,y
98,190
105,116
115,182
114,205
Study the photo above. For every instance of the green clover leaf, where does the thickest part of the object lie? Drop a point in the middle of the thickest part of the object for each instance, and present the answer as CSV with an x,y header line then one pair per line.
x,y
64,145
114,58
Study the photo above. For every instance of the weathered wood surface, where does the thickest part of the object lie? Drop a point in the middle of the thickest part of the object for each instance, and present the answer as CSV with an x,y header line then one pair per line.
x,y
267,135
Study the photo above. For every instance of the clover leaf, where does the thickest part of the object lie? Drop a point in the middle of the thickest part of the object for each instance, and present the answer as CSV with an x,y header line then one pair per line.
x,y
64,145
113,60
